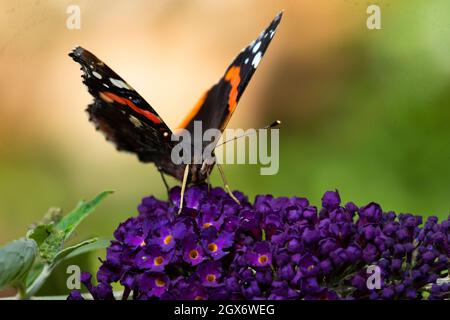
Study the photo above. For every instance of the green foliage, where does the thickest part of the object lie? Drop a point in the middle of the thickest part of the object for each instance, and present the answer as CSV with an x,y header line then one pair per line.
x,y
72,249
87,247
40,233
26,263
69,222
16,260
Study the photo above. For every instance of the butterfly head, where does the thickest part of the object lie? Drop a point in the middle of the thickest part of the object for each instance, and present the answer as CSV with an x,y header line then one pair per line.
x,y
200,172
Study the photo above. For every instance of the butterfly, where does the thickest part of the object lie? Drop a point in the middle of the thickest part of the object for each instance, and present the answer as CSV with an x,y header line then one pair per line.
x,y
133,125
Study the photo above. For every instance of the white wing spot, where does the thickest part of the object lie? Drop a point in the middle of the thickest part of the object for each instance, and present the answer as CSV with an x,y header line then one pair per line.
x,y
246,61
271,33
105,85
256,59
119,83
96,74
256,47
137,123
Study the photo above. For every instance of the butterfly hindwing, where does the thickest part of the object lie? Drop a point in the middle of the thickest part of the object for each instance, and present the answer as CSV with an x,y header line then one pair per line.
x,y
217,105
120,112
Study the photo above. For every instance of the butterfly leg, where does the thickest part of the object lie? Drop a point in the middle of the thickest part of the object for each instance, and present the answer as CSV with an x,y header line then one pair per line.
x,y
225,184
164,180
183,186
208,181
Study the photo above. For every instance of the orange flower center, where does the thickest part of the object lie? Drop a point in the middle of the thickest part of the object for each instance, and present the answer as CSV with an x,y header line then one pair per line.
x,y
212,247
142,244
160,283
211,278
198,298
207,225
193,254
263,259
168,239
158,261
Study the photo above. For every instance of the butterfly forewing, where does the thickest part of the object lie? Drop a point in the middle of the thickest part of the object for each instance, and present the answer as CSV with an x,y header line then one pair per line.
x,y
120,112
216,106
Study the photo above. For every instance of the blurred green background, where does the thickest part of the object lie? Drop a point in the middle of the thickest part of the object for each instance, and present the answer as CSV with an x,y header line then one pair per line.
x,y
364,111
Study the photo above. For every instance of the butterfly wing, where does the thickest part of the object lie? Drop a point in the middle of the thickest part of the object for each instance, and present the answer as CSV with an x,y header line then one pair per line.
x,y
217,105
120,112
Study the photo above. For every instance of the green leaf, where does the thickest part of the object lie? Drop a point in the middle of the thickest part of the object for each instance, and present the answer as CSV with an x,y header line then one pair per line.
x,y
41,272
69,222
51,246
51,236
16,259
64,253
46,238
99,244
40,233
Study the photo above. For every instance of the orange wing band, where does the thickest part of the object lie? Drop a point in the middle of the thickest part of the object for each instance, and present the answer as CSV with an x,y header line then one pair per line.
x,y
109,97
193,112
234,78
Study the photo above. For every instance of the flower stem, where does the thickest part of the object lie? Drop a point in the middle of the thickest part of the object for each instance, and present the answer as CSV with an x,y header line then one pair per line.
x,y
37,284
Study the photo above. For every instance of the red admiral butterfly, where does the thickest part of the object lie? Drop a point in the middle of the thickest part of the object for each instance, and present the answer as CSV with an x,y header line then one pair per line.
x,y
133,125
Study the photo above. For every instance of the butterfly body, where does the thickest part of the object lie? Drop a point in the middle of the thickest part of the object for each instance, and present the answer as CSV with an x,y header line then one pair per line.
x,y
132,124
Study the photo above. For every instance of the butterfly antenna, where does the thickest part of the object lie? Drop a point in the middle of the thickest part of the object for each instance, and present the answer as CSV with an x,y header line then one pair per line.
x,y
274,124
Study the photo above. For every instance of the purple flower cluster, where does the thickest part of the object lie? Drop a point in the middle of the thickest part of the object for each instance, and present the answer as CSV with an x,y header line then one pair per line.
x,y
276,248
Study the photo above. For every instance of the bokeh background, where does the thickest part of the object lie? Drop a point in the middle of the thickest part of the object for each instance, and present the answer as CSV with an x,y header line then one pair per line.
x,y
364,111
